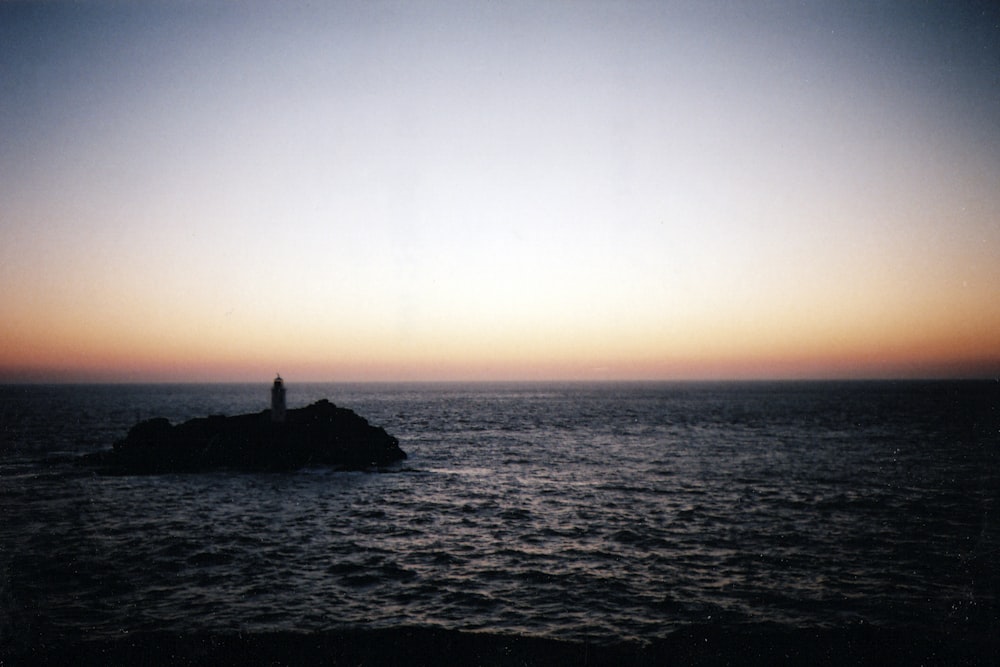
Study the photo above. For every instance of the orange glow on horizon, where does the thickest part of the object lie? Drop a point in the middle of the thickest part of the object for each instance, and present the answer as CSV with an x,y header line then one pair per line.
x,y
73,358
936,337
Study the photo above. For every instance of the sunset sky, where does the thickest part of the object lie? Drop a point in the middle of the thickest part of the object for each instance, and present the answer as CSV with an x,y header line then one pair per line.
x,y
499,190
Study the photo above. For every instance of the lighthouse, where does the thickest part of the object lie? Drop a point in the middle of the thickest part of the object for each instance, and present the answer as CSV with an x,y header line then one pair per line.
x,y
278,400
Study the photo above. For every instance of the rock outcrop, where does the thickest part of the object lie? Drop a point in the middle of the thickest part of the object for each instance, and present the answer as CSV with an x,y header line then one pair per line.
x,y
320,434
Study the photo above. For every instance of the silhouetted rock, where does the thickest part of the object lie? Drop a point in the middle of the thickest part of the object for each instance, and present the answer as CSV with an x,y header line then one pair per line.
x,y
317,435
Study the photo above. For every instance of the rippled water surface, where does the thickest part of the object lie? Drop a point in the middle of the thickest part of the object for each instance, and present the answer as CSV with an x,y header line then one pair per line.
x,y
597,512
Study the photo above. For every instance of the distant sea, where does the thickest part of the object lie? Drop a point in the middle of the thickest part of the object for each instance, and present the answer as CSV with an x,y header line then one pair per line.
x,y
571,515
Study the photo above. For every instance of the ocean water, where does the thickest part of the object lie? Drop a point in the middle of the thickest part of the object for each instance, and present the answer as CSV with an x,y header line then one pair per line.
x,y
595,513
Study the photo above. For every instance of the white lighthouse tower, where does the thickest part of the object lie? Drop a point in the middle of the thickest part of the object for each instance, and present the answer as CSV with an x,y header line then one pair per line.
x,y
278,400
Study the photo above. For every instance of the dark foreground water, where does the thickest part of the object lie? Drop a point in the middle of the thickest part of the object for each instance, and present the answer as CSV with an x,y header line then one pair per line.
x,y
607,515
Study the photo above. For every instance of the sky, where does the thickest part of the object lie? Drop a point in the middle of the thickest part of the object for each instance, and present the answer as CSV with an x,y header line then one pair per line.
x,y
202,191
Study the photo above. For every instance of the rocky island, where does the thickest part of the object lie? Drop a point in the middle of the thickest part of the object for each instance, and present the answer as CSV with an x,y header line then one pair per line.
x,y
320,434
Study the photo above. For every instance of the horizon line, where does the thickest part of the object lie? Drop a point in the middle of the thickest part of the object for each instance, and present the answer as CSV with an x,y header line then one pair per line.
x,y
515,381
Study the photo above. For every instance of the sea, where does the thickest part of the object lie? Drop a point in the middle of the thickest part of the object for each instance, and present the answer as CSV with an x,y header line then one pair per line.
x,y
593,514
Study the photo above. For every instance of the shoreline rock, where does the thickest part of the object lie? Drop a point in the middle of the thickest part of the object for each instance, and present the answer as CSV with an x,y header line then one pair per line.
x,y
415,645
320,434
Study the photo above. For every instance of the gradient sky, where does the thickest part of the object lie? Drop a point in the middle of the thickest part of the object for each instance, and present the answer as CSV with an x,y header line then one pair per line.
x,y
499,190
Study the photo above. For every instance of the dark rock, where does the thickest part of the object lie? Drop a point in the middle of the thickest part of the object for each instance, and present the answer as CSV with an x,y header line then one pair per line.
x,y
317,435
